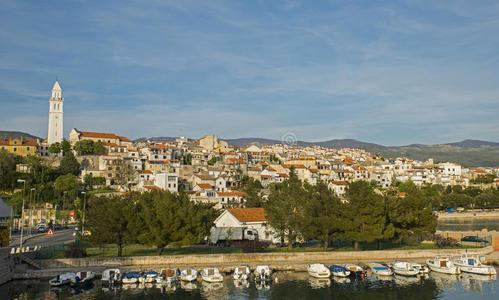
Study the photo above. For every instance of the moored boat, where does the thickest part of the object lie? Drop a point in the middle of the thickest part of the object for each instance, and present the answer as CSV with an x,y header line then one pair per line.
x,y
423,269
380,270
111,276
130,278
167,275
403,268
339,271
188,275
211,275
318,271
472,263
62,279
83,278
443,264
356,270
148,277
263,273
241,273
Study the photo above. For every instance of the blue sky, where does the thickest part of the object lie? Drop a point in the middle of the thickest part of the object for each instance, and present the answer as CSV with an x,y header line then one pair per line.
x,y
392,73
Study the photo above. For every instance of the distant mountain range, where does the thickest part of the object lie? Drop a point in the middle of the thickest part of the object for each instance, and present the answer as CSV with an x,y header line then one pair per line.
x,y
469,153
17,134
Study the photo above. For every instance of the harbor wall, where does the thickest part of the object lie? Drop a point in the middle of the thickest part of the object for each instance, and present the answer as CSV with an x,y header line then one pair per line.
x,y
5,265
255,258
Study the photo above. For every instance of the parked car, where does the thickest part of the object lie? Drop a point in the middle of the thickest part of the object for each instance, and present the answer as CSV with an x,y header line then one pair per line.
x,y
474,239
42,229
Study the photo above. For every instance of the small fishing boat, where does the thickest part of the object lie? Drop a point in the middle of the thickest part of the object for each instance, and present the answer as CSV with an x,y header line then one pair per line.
x,y
241,272
339,271
111,276
423,269
130,278
472,263
148,277
263,273
380,270
62,279
83,278
188,275
356,270
211,275
403,268
318,271
443,264
167,275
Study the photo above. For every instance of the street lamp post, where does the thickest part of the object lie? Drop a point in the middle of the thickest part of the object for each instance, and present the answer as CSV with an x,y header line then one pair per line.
x,y
83,219
31,197
22,215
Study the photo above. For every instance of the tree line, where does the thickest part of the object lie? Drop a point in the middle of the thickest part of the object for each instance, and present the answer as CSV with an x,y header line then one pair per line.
x,y
153,218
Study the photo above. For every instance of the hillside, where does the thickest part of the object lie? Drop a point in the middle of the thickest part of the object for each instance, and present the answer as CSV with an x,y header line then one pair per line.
x,y
17,134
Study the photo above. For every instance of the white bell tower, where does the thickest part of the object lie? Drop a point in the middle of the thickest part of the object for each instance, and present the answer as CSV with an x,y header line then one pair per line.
x,y
55,115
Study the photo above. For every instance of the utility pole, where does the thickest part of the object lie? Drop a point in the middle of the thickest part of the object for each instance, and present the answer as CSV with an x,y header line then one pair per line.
x,y
22,216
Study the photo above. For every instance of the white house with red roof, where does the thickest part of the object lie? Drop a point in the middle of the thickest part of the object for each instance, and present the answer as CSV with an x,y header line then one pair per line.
x,y
239,224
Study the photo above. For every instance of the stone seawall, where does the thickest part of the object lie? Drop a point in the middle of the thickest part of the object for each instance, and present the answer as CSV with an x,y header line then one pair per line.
x,y
255,258
5,265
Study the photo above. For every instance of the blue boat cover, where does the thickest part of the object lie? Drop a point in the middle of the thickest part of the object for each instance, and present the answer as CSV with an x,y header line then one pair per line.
x,y
132,275
336,268
380,268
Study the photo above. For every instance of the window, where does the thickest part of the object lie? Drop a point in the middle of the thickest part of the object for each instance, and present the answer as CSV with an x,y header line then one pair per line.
x,y
15,149
27,148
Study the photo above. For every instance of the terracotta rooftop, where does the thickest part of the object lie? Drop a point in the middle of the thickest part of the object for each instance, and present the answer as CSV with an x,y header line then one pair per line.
x,y
248,214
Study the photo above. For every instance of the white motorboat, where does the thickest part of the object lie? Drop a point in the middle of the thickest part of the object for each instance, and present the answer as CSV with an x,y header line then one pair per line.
x,y
356,270
380,270
188,275
339,271
472,263
111,276
318,271
211,275
148,277
167,275
83,278
403,268
443,264
241,273
423,269
130,278
263,273
63,279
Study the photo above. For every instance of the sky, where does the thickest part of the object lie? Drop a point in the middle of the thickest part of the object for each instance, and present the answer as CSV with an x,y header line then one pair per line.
x,y
388,72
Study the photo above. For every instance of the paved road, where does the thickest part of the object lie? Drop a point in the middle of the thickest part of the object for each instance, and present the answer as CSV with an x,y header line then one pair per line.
x,y
40,239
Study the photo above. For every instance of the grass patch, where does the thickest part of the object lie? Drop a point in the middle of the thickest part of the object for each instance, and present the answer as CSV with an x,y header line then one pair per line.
x,y
140,250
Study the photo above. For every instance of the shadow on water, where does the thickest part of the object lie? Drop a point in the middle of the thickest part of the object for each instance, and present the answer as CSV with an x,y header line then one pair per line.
x,y
288,286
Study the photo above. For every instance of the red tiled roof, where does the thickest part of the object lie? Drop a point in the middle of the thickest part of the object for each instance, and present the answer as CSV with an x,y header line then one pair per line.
x,y
339,182
98,135
205,185
248,214
152,187
233,193
145,171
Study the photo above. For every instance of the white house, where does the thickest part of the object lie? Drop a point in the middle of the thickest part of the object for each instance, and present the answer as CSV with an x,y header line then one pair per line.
x,y
239,224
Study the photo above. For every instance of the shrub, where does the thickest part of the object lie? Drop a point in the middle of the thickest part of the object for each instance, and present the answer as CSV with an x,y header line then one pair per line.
x,y
445,242
254,246
75,251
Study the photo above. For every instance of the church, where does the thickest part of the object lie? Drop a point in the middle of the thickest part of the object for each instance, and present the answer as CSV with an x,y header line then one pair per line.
x,y
55,131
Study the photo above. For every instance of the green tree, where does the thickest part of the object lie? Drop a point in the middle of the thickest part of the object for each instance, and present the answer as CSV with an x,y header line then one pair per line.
x,y
67,183
69,164
55,148
65,146
113,220
284,206
253,190
98,148
187,158
364,214
84,147
8,174
173,218
322,219
411,216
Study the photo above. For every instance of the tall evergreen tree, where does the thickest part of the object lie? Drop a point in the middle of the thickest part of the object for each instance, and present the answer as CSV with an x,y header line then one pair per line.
x,y
69,164
284,206
322,219
364,214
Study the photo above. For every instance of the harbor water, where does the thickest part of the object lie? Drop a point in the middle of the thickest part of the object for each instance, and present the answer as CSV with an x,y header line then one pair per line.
x,y
287,286
468,224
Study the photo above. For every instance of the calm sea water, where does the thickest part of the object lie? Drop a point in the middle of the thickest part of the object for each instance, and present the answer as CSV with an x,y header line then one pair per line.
x,y
468,224
288,286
